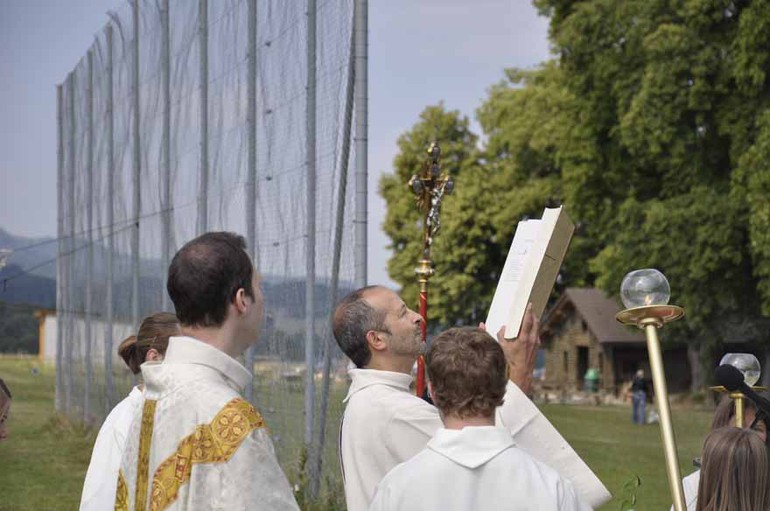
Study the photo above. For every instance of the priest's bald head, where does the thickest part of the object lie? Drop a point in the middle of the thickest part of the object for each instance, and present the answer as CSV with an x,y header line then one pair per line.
x,y
467,374
376,330
215,291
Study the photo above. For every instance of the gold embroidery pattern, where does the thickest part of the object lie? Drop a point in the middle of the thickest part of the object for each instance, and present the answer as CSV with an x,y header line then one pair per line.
x,y
143,463
210,443
121,496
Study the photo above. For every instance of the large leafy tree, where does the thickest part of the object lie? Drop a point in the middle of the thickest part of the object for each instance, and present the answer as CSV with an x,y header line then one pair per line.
x,y
651,125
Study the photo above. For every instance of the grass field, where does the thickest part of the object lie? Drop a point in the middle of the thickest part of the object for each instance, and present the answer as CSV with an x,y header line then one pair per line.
x,y
43,462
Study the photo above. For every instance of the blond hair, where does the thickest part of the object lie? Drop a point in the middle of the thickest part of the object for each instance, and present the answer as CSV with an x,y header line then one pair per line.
x,y
735,472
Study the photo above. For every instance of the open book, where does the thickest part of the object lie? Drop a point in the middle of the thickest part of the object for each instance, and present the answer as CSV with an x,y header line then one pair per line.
x,y
533,262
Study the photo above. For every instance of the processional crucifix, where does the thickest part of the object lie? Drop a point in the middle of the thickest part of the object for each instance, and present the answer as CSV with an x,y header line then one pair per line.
x,y
429,187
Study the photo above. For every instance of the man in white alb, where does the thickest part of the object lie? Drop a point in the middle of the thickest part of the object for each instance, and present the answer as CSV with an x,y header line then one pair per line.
x,y
470,464
196,444
385,424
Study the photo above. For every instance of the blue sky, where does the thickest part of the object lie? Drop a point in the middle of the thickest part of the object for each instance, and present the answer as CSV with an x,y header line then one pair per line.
x,y
421,52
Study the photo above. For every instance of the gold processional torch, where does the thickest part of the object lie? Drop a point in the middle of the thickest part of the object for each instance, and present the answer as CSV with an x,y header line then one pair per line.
x,y
429,187
645,293
747,364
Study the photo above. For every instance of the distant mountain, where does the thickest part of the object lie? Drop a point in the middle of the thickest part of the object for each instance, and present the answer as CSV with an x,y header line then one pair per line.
x,y
36,286
41,254
27,288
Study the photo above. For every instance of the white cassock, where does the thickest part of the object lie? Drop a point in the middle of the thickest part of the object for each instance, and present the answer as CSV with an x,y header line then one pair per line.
x,y
690,486
197,444
471,469
102,476
384,424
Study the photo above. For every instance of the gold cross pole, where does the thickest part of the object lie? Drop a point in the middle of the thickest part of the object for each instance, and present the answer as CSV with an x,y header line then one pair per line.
x,y
429,187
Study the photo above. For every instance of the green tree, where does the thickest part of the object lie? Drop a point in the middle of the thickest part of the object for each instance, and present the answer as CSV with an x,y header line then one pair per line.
x,y
651,125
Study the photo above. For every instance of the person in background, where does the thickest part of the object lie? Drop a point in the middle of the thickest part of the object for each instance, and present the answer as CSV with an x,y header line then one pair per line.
x,y
639,397
735,472
149,344
723,416
471,464
5,406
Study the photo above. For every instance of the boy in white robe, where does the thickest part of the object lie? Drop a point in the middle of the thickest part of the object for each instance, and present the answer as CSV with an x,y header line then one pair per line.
x,y
197,444
385,424
470,464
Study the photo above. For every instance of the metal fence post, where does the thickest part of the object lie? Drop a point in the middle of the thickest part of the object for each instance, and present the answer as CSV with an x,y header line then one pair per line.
x,y
90,235
137,168
69,310
203,39
311,221
251,180
361,23
109,298
60,280
165,75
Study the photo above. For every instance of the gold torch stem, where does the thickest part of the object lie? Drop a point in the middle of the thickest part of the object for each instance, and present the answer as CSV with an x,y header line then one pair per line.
x,y
666,426
738,398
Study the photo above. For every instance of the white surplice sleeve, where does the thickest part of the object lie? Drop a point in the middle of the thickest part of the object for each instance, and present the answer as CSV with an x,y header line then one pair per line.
x,y
568,498
381,501
102,476
410,428
252,478
535,435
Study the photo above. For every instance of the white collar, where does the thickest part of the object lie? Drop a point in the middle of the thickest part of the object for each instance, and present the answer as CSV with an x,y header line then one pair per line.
x,y
471,446
362,378
188,350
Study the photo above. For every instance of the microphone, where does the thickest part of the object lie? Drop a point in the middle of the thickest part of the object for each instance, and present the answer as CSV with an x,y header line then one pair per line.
x,y
732,379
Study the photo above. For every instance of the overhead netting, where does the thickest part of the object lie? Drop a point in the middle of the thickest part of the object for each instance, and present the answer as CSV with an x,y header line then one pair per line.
x,y
186,117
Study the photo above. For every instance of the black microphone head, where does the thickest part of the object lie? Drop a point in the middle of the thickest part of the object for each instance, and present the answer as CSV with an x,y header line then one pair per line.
x,y
729,377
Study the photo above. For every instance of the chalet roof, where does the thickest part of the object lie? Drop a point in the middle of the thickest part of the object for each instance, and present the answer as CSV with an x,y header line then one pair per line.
x,y
598,311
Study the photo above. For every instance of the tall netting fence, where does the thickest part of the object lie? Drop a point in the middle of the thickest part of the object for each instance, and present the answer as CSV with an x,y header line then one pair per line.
x,y
186,117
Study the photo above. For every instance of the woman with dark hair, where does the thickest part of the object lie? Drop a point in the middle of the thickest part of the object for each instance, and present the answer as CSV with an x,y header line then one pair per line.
x,y
723,416
148,345
735,473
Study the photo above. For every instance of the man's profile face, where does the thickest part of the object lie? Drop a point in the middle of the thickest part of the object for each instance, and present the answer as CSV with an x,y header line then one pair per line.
x,y
402,326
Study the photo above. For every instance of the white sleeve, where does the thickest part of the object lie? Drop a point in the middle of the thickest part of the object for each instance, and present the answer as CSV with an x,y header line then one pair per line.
x,y
410,428
380,502
535,435
568,498
102,477
253,479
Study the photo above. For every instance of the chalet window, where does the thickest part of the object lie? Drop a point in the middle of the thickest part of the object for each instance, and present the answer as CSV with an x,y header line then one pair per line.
x,y
601,363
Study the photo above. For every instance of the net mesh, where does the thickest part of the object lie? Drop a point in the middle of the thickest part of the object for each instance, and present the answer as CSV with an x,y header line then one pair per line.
x,y
157,145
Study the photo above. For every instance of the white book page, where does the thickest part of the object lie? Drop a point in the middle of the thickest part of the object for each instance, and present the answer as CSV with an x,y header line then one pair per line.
x,y
519,301
524,239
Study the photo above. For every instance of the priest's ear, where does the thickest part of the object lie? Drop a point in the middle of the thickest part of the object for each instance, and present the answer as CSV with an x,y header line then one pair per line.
x,y
376,340
430,392
241,301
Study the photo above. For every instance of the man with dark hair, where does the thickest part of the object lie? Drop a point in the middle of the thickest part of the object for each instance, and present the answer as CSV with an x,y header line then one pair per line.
x,y
386,424
470,464
196,443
